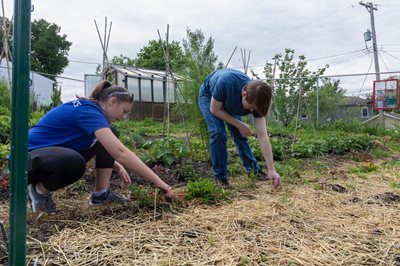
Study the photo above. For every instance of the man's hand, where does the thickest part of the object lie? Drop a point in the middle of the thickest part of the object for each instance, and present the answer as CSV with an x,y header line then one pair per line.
x,y
275,179
245,130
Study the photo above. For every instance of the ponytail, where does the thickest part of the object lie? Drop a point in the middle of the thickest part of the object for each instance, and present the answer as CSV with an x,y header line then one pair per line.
x,y
104,90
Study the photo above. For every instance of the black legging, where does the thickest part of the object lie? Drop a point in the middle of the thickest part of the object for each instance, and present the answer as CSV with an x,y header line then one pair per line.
x,y
58,167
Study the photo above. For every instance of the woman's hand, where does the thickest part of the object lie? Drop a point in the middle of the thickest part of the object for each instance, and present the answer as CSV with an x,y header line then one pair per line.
x,y
168,192
124,176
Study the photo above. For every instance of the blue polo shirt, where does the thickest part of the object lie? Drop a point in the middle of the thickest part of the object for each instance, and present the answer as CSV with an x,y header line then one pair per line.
x,y
70,125
226,85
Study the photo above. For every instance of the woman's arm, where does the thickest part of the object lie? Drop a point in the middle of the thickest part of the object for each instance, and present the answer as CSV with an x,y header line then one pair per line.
x,y
130,160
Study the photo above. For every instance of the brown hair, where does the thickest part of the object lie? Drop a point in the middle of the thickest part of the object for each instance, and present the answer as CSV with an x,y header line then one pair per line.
x,y
104,90
259,93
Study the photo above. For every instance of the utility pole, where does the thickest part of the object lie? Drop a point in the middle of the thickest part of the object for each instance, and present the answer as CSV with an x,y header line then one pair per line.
x,y
370,8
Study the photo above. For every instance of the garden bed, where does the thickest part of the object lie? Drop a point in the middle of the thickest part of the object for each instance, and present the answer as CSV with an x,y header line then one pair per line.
x,y
313,221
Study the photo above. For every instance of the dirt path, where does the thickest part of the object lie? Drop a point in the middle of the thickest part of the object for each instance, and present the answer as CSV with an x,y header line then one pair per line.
x,y
342,219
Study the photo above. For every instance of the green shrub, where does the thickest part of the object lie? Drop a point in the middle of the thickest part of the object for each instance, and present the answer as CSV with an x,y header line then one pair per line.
x,y
5,128
4,151
313,145
205,191
35,117
166,150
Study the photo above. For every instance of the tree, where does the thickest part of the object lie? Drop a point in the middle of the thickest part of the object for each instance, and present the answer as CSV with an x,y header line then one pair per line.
x,y
293,83
49,49
123,60
200,60
330,96
152,56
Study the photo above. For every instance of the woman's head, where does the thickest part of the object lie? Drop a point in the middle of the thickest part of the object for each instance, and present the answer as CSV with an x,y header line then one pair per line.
x,y
116,101
104,90
257,95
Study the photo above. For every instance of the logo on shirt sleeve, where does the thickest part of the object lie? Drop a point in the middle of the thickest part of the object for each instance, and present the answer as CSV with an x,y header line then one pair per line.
x,y
76,103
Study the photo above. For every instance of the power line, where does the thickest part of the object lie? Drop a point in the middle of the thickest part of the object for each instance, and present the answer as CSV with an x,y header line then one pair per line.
x,y
57,76
387,69
330,56
362,85
84,62
390,55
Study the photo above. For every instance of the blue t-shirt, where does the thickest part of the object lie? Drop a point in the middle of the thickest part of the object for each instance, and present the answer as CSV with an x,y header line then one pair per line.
x,y
70,125
226,86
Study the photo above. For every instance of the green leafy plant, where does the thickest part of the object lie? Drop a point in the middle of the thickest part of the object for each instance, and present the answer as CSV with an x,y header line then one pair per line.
x,y
5,128
205,191
166,150
364,168
143,198
35,117
394,185
187,172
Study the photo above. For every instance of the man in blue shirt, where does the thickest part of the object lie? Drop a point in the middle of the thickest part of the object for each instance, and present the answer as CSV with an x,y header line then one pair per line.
x,y
224,97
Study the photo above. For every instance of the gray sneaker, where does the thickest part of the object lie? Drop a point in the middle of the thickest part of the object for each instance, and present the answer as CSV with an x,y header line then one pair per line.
x,y
107,197
41,202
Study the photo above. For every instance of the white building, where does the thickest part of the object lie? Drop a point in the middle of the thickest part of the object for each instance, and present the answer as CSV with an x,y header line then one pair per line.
x,y
40,86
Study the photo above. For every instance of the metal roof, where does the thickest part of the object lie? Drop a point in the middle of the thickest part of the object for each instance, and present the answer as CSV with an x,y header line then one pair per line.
x,y
140,72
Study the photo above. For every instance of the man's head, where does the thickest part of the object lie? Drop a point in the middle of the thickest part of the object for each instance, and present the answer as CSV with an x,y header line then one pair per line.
x,y
258,96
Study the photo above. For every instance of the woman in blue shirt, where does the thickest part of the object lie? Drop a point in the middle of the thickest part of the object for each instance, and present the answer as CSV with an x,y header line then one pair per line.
x,y
68,136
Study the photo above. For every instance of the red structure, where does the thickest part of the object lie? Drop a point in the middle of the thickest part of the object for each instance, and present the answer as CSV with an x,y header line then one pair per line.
x,y
385,95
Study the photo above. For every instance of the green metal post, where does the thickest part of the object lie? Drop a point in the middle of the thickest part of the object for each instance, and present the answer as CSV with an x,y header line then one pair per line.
x,y
19,131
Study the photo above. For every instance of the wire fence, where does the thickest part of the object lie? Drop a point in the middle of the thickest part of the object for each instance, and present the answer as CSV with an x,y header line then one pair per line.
x,y
326,99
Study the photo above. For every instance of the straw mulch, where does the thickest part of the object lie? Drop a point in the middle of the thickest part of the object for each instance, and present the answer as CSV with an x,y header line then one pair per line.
x,y
297,225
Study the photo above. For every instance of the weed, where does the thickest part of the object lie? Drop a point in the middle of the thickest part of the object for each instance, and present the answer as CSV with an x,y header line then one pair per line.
x,y
205,191
244,260
290,171
394,185
392,164
187,172
142,196
312,184
211,240
364,168
234,168
320,167
379,153
284,199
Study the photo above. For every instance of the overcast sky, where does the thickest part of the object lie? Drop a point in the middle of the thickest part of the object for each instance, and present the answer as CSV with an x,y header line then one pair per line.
x,y
330,31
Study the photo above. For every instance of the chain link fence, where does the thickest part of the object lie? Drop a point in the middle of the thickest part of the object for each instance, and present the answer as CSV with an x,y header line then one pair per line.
x,y
324,100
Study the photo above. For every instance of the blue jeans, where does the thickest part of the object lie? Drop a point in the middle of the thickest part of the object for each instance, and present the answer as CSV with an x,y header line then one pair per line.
x,y
218,138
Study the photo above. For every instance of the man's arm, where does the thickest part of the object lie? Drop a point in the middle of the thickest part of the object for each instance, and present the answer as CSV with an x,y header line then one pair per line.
x,y
217,110
266,149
